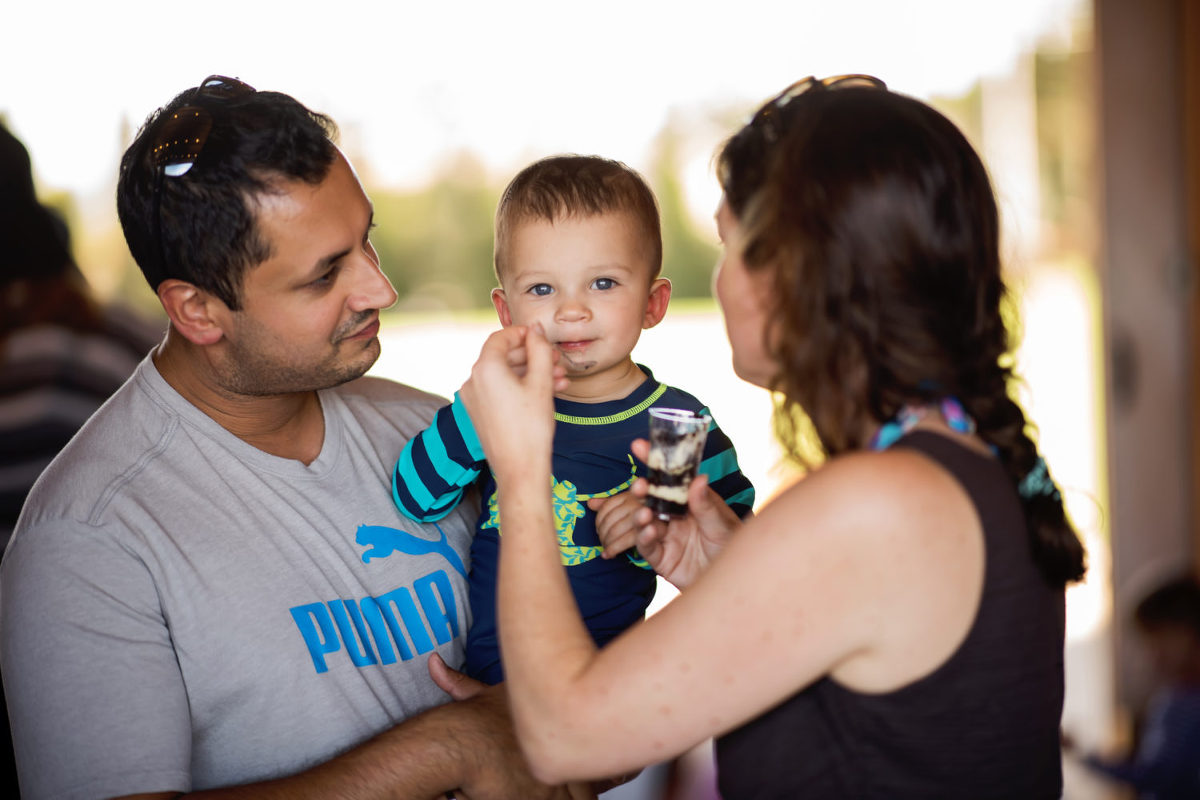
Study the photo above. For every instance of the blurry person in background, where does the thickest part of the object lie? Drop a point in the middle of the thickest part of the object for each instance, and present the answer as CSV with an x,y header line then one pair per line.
x,y
1166,765
62,352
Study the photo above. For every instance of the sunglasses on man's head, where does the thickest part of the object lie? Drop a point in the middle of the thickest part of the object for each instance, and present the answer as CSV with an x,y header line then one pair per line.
x,y
179,143
182,137
767,117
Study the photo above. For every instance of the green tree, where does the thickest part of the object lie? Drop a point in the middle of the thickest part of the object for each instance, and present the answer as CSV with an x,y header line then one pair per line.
x,y
435,243
688,258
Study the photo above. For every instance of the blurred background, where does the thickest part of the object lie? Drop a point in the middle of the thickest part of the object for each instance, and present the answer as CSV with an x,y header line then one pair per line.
x,y
1084,110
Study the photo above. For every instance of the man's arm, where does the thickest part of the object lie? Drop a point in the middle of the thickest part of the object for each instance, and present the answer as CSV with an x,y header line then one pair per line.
x,y
467,745
437,465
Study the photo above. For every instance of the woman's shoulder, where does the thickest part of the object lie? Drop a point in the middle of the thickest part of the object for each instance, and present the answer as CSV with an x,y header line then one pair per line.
x,y
885,519
902,530
891,486
896,520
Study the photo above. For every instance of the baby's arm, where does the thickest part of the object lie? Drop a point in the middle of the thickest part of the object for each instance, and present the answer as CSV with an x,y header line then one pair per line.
x,y
725,476
437,465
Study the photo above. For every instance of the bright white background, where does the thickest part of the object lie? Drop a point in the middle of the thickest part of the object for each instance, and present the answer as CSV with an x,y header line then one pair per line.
x,y
411,82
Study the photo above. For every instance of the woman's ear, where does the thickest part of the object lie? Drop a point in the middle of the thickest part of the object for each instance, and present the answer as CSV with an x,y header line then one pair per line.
x,y
193,312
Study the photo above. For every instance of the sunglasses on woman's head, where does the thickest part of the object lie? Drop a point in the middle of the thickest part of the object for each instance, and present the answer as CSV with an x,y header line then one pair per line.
x,y
767,117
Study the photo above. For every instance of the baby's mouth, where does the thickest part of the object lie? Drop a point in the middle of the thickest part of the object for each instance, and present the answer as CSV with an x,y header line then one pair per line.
x,y
575,355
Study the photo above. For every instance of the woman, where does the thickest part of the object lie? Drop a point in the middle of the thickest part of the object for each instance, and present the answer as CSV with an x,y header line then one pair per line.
x,y
892,625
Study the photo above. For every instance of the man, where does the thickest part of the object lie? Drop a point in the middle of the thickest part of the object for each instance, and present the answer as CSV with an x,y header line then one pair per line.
x,y
210,586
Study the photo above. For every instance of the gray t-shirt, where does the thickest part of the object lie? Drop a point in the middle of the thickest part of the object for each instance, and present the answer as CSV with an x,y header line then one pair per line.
x,y
180,610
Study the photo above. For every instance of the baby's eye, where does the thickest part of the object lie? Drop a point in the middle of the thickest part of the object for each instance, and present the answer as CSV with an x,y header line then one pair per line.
x,y
540,289
604,284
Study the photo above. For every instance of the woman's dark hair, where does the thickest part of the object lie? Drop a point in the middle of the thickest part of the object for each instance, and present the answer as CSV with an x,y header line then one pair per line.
x,y
201,228
878,223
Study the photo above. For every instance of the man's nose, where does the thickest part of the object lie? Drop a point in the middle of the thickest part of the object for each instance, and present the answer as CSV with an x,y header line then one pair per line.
x,y
373,290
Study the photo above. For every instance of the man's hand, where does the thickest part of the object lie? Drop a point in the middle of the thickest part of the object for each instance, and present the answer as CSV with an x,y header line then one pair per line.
x,y
463,688
452,682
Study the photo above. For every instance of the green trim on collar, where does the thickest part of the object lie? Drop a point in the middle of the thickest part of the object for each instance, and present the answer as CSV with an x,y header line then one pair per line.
x,y
611,418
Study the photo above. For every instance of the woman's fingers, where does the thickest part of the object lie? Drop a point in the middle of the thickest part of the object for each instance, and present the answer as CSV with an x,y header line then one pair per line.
x,y
509,395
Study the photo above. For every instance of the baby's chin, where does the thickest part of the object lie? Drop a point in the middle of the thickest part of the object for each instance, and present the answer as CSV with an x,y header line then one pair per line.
x,y
580,370
576,368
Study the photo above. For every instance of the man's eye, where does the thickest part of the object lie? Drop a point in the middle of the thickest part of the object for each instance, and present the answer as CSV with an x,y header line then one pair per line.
x,y
603,284
540,289
326,279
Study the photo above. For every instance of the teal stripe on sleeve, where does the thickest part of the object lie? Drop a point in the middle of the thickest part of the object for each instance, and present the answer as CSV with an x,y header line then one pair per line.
x,y
718,466
745,497
406,472
446,467
466,428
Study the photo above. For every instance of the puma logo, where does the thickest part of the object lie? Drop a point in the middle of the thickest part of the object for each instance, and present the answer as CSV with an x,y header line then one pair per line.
x,y
381,541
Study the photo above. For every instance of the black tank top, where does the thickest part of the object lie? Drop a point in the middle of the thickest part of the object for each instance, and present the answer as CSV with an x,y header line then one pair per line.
x,y
984,724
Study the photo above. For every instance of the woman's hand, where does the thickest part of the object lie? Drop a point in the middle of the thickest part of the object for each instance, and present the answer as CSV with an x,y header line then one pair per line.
x,y
678,550
510,397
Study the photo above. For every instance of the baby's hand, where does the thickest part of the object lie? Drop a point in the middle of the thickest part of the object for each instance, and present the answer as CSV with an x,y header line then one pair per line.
x,y
615,524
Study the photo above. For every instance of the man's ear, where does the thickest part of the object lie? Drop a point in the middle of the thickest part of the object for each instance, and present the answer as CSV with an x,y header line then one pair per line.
x,y
500,301
193,312
656,306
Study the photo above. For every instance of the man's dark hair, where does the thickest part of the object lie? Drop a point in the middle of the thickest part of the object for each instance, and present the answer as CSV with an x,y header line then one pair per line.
x,y
202,227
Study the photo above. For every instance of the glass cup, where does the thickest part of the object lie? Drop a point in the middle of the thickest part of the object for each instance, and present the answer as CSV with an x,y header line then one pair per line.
x,y
676,449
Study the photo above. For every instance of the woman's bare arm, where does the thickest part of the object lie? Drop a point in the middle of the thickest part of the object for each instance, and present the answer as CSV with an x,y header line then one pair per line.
x,y
868,570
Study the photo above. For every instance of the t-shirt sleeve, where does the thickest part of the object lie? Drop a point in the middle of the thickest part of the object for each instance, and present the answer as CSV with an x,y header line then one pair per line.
x,y
720,464
95,695
438,465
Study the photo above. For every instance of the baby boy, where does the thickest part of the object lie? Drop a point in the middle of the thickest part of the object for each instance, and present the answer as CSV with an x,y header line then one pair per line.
x,y
578,251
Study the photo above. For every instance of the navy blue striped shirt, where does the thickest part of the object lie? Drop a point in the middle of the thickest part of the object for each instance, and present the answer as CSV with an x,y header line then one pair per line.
x,y
591,459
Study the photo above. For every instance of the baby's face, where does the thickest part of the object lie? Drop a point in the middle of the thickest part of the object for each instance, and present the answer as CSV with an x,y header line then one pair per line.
x,y
586,280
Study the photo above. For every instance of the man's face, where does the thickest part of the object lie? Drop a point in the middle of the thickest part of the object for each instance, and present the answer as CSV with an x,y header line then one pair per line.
x,y
310,312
